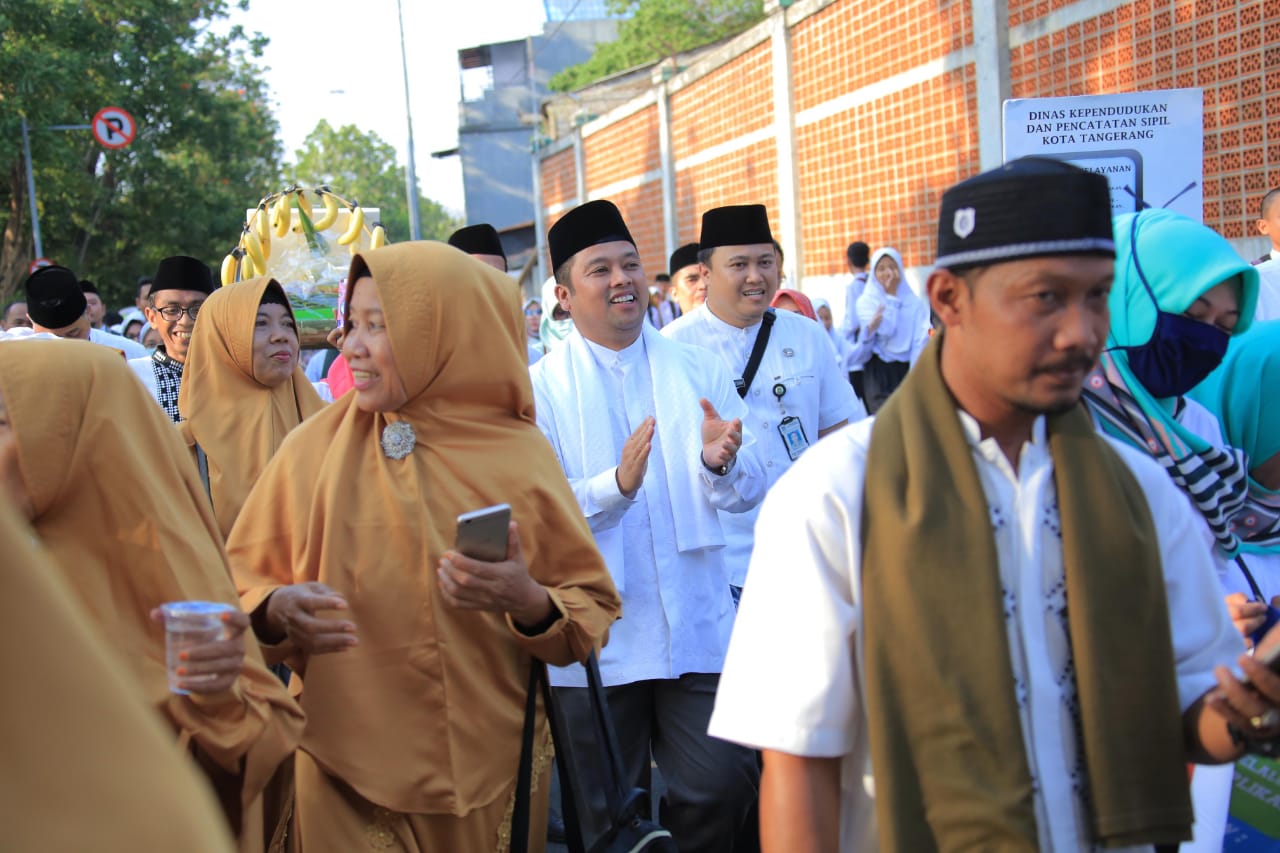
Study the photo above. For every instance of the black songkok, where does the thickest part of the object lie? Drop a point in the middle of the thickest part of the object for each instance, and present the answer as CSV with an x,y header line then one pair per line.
x,y
54,297
479,239
683,257
1027,208
274,295
735,225
587,225
182,273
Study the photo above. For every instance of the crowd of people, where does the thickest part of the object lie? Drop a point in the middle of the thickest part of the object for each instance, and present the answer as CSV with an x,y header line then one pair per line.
x,y
974,565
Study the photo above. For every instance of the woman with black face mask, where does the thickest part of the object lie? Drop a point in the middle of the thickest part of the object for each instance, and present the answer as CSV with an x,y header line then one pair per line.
x,y
1180,293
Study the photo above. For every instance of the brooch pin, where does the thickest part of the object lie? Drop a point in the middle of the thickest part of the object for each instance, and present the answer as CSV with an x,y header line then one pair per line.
x,y
398,439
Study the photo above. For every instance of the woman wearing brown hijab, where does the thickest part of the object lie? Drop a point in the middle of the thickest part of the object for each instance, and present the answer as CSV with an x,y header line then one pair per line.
x,y
128,542
242,390
88,766
416,701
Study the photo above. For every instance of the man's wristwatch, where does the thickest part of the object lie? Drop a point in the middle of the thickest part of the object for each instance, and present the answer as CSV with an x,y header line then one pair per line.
x,y
720,471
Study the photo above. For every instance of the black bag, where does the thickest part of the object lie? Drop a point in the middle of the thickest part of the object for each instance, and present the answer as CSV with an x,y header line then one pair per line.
x,y
630,829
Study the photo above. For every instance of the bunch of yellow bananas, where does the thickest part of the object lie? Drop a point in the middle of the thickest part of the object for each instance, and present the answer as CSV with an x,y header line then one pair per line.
x,y
274,216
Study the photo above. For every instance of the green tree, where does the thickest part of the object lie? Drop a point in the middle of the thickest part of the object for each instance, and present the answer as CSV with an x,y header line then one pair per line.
x,y
362,166
658,29
204,133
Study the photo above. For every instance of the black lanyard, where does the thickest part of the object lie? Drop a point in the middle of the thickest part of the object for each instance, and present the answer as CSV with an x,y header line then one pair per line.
x,y
757,352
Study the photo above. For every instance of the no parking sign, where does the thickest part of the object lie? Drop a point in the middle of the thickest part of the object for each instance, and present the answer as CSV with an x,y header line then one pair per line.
x,y
113,127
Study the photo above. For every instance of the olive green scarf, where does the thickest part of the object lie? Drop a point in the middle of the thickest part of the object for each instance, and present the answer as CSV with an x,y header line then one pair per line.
x,y
950,766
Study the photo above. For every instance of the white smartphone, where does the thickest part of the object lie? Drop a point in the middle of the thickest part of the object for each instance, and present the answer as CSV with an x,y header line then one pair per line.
x,y
482,533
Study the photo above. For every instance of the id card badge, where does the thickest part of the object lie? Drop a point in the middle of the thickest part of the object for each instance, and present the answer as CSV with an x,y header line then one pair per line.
x,y
792,432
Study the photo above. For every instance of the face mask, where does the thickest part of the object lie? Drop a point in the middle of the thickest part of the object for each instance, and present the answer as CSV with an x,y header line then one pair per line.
x,y
1180,354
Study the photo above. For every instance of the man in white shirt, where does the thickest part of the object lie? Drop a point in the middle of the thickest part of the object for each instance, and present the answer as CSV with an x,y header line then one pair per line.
x,y
1269,224
797,393
56,304
97,309
688,285
482,243
848,644
662,308
650,435
178,290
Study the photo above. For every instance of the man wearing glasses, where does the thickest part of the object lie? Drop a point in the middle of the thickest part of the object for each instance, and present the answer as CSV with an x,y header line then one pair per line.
x,y
180,287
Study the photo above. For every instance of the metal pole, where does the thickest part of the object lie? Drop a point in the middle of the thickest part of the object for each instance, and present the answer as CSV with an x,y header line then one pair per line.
x,y
539,220
411,174
31,190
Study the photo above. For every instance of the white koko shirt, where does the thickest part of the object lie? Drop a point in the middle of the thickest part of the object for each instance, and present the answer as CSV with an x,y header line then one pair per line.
x,y
677,612
792,680
816,390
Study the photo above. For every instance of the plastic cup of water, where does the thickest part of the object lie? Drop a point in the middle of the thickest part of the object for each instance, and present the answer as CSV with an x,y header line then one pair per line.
x,y
188,624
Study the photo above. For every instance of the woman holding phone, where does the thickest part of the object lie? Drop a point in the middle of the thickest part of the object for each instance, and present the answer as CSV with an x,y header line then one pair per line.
x,y
412,660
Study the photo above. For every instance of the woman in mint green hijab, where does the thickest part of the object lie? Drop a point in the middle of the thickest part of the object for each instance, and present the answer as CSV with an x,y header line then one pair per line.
x,y
1180,293
1244,394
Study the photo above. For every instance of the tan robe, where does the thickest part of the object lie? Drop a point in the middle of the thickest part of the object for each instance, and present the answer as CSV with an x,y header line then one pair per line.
x,y
121,511
238,422
423,718
87,765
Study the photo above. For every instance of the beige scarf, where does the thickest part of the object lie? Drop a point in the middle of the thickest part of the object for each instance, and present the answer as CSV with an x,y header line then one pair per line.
x,y
951,768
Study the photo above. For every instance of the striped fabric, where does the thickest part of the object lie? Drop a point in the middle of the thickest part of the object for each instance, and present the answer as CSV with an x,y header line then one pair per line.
x,y
1215,480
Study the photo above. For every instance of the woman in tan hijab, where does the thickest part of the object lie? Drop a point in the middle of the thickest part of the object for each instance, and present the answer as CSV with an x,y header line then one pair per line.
x,y
242,390
128,541
416,701
88,765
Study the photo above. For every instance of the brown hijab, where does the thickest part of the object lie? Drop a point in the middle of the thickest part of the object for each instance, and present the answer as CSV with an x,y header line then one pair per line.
x,y
90,765
237,421
425,714
128,541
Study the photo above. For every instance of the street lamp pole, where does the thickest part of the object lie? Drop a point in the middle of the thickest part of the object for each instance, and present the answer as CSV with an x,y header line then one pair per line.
x,y
31,189
411,174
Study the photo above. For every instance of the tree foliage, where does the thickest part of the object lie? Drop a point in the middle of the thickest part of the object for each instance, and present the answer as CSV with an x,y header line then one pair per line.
x,y
658,29
204,134
362,166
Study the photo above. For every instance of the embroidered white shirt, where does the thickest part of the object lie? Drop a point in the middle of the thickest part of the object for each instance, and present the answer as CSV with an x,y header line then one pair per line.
x,y
792,677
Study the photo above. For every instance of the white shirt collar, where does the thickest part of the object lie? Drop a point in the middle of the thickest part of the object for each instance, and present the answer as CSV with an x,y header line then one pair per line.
x,y
989,449
728,328
609,359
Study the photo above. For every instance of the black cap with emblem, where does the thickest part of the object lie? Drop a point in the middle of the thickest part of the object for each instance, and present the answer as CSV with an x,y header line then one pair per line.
x,y
1027,208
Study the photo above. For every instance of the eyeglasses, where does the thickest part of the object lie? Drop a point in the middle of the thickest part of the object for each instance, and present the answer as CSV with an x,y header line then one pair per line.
x,y
173,312
533,312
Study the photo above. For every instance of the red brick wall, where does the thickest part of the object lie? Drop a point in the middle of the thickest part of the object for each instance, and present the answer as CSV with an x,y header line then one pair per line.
x,y
746,176
1230,48
642,210
625,149
859,42
559,183
731,101
876,171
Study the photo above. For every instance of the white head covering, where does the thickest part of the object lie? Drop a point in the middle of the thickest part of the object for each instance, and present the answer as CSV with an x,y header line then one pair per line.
x,y
911,311
553,331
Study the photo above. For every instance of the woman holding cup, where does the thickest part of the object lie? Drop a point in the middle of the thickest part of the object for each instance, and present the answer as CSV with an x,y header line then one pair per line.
x,y
110,490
